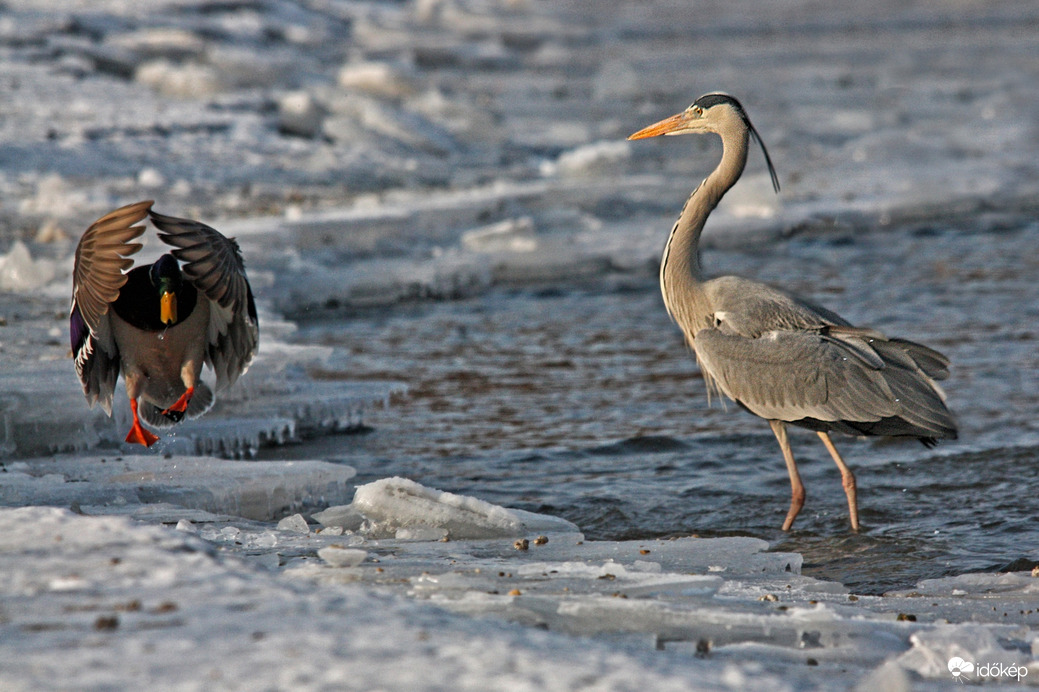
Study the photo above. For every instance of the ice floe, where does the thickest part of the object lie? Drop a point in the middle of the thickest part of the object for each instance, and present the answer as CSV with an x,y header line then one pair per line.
x,y
723,612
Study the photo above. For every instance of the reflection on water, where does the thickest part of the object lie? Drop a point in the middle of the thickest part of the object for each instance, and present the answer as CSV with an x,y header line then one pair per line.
x,y
584,403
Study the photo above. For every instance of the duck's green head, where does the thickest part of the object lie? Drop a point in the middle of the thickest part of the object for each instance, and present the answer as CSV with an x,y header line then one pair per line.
x,y
166,277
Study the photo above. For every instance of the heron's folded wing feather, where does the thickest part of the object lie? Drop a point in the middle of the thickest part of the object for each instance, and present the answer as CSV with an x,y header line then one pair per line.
x,y
791,375
751,308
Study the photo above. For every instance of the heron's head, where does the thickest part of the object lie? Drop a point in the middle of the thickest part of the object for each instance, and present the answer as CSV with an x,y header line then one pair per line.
x,y
716,112
165,276
709,113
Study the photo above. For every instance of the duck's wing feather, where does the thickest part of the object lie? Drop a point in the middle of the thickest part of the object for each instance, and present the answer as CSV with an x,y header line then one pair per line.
x,y
102,257
213,263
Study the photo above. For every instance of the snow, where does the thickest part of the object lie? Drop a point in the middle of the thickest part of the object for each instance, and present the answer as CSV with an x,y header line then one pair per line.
x,y
117,593
367,155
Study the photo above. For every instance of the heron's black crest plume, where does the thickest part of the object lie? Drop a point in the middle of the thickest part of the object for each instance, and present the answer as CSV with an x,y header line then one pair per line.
x,y
715,99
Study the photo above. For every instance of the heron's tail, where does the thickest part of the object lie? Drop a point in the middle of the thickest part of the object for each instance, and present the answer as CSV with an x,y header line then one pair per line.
x,y
910,370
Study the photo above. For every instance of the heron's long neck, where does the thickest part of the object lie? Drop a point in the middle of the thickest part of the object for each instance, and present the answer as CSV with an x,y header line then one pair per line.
x,y
681,280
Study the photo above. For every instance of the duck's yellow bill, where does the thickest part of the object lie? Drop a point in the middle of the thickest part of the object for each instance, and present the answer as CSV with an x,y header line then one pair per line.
x,y
168,308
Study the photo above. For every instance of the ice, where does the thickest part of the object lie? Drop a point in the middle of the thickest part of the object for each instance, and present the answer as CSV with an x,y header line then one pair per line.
x,y
982,585
20,272
934,649
129,601
257,490
699,599
371,154
340,517
295,523
299,114
378,78
405,509
511,235
42,409
187,80
338,556
600,158
889,677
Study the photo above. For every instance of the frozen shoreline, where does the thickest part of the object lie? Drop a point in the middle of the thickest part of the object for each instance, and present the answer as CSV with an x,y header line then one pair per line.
x,y
368,154
175,595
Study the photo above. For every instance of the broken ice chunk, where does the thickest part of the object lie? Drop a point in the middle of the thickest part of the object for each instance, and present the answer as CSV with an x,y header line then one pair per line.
x,y
598,158
20,272
341,517
295,523
392,504
338,556
934,649
511,235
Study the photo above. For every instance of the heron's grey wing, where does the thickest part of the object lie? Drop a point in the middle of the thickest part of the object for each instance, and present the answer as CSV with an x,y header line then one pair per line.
x,y
213,263
102,256
791,375
750,308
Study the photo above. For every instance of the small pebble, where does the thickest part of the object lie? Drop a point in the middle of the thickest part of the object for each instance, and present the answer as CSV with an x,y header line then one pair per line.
x,y
106,623
515,592
541,540
769,597
521,544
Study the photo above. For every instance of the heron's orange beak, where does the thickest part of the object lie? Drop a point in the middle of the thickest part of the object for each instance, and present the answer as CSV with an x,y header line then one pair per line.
x,y
168,308
664,127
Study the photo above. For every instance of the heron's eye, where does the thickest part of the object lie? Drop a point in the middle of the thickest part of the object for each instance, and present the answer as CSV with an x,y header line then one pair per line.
x,y
697,111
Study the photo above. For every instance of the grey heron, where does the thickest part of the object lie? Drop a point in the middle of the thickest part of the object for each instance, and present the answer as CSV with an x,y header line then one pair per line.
x,y
777,355
158,323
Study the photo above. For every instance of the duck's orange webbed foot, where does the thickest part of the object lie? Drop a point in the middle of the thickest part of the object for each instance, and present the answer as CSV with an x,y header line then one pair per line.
x,y
138,434
176,412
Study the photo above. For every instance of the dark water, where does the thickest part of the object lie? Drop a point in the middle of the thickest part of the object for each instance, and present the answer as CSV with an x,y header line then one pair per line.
x,y
584,403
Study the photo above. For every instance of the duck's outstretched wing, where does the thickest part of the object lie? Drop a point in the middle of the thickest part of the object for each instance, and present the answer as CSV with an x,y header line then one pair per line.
x,y
102,258
213,263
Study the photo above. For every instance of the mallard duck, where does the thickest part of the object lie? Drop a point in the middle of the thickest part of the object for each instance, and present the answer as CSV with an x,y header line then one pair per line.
x,y
158,323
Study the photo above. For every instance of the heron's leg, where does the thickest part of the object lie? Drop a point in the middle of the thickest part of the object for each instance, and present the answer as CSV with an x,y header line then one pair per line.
x,y
847,480
797,488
